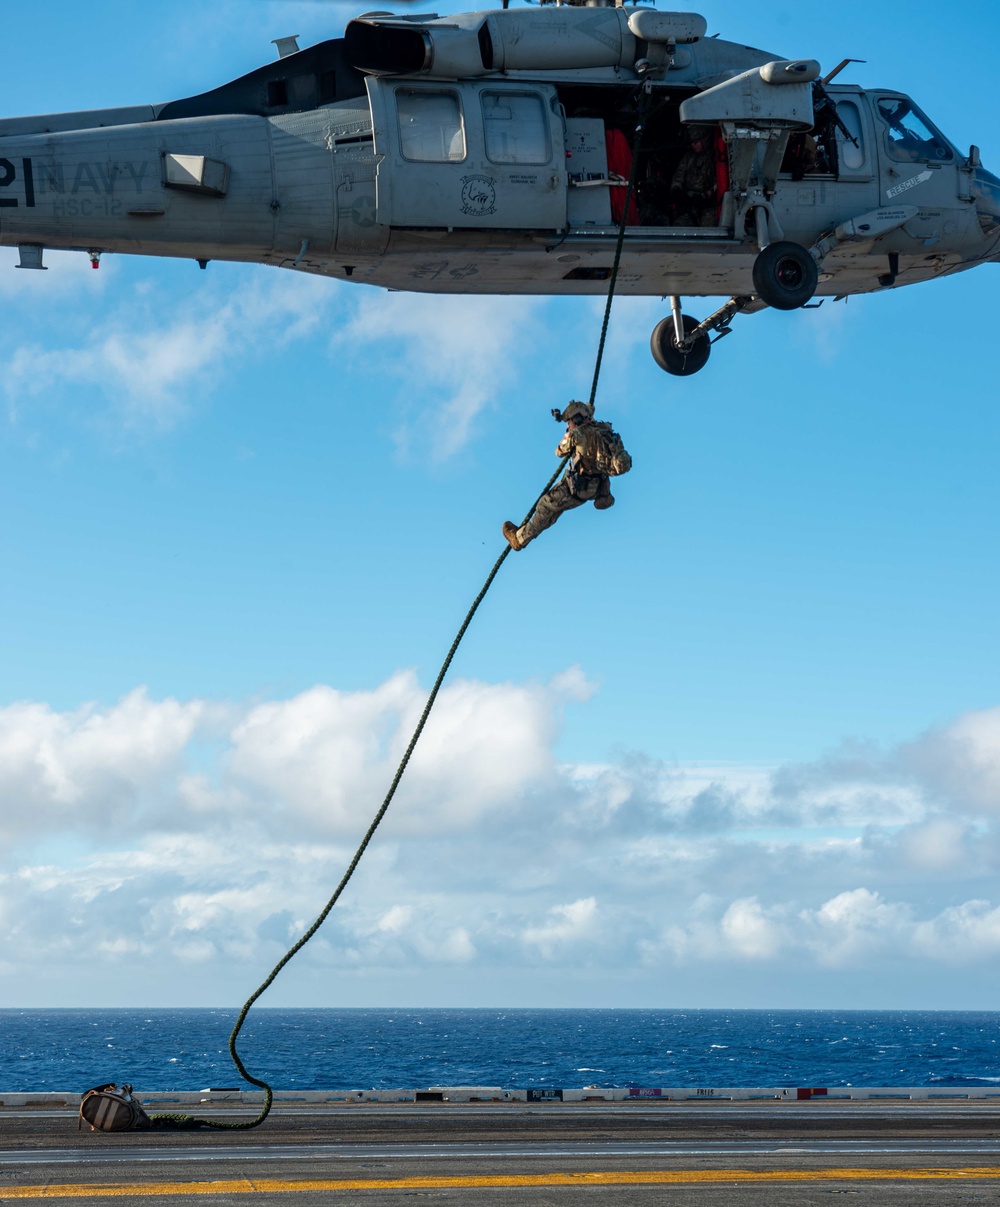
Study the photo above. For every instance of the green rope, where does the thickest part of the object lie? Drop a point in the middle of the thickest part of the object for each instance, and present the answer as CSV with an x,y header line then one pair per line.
x,y
176,1122
188,1121
639,127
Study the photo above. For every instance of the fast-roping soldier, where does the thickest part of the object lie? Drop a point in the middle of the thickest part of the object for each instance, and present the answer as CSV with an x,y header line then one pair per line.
x,y
596,451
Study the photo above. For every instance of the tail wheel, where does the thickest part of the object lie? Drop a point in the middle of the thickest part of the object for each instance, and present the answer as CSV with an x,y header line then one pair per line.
x,y
785,276
680,362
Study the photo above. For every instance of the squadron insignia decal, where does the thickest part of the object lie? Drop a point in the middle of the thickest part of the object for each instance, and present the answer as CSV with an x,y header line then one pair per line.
x,y
479,196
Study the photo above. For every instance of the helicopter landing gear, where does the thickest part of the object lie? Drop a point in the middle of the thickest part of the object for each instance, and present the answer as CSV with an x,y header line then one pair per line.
x,y
679,344
785,276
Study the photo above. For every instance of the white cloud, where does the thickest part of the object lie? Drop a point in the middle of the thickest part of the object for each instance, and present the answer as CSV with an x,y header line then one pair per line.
x,y
329,756
456,947
148,353
940,844
962,934
854,925
566,924
749,931
206,836
147,368
396,919
961,761
856,929
466,349
90,769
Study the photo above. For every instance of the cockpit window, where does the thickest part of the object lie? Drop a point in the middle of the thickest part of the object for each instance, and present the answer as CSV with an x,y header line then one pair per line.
x,y
909,136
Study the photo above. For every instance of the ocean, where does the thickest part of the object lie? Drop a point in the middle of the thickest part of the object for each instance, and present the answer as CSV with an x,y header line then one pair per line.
x,y
71,1050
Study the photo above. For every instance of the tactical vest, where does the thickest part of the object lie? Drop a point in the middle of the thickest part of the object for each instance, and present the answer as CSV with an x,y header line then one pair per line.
x,y
601,450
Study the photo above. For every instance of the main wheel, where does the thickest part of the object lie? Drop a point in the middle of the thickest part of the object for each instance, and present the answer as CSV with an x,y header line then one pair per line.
x,y
785,276
678,361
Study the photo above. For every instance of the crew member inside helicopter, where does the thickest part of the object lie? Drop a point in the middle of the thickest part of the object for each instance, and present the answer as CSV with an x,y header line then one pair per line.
x,y
909,138
682,192
802,158
694,189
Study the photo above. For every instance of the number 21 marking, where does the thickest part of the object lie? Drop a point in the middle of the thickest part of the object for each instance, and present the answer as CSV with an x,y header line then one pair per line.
x,y
8,175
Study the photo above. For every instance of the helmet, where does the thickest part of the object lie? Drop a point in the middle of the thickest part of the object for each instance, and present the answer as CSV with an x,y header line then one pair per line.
x,y
577,410
699,133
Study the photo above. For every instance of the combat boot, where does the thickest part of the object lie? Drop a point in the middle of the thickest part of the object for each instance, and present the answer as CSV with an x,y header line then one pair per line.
x,y
605,498
510,532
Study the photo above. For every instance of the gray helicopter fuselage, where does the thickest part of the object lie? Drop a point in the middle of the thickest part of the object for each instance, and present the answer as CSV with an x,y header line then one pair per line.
x,y
483,166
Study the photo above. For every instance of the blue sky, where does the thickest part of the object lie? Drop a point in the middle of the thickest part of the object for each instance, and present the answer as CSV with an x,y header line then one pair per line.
x,y
747,722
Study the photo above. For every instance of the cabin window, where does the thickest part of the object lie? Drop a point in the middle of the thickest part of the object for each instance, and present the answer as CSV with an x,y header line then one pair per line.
x,y
852,158
909,136
517,130
430,125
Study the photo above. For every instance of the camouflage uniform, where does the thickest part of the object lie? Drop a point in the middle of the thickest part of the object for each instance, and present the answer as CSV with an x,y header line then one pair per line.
x,y
694,188
578,486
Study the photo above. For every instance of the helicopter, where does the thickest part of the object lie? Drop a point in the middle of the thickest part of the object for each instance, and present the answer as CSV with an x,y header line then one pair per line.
x,y
494,152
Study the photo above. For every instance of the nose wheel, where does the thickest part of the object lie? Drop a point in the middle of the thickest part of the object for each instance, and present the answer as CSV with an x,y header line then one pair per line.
x,y
680,359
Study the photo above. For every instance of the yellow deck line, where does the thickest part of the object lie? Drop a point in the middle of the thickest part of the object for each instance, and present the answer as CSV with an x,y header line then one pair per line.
x,y
671,1177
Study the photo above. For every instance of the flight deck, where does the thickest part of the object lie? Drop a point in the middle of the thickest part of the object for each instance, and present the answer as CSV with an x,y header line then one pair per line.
x,y
774,1151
